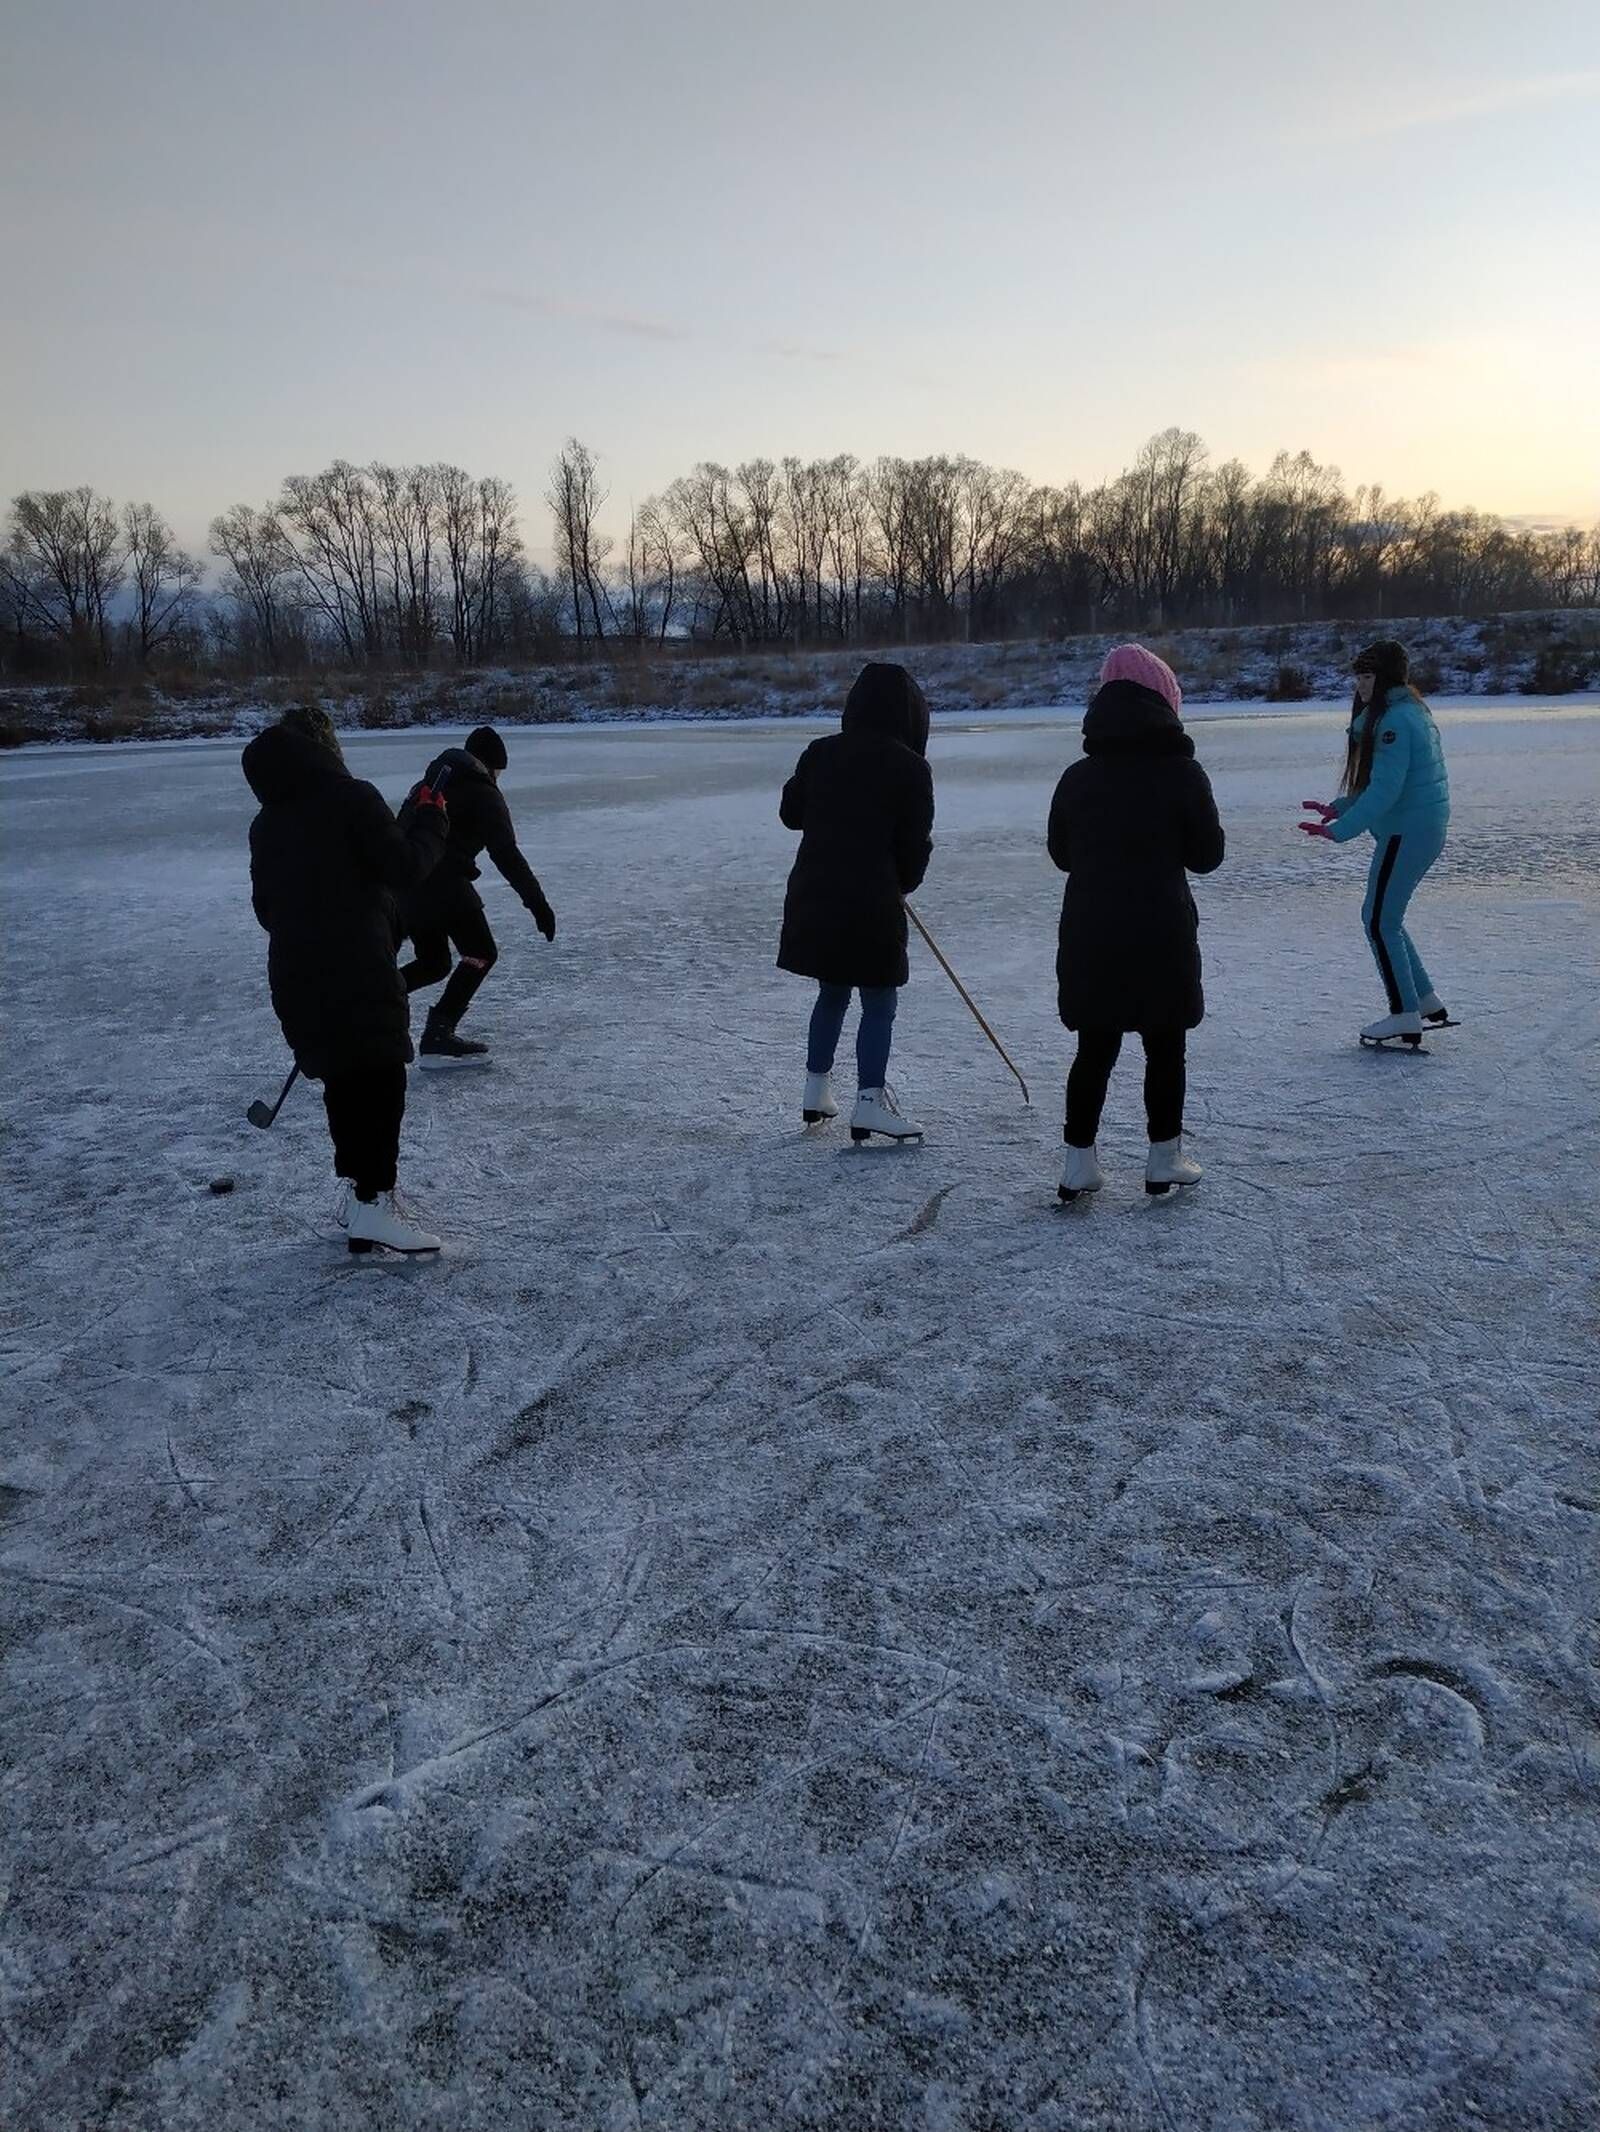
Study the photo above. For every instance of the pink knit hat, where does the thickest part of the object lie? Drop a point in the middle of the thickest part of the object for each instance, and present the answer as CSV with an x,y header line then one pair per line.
x,y
1132,662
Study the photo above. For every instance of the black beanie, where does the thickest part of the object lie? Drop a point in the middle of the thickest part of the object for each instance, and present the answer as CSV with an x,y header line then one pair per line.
x,y
484,742
1387,659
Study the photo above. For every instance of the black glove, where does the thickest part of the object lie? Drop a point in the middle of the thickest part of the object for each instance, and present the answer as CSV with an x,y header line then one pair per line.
x,y
544,918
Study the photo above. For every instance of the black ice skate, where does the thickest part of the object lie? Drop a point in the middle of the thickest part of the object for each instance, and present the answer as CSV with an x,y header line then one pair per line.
x,y
441,1046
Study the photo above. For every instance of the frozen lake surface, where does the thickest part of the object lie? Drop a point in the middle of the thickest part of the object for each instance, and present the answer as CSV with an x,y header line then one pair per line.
x,y
762,1634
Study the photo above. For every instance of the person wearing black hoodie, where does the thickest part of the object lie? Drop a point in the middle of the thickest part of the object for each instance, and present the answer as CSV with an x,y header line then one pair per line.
x,y
1128,824
327,864
448,911
862,800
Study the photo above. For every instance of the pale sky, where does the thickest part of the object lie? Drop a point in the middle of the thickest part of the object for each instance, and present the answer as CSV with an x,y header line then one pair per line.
x,y
241,238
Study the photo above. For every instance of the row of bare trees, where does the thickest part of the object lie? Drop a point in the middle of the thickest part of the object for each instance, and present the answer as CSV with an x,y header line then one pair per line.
x,y
84,578
353,567
420,565
925,549
375,565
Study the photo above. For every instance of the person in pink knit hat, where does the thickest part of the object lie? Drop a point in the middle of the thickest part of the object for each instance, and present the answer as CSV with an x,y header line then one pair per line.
x,y
1129,823
1138,664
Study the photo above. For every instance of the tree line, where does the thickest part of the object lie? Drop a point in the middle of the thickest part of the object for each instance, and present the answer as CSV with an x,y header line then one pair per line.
x,y
417,566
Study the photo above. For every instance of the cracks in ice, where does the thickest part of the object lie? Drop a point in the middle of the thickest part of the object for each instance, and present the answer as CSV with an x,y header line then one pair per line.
x,y
771,1788
183,1630
907,1807
1332,1802
182,1479
471,1743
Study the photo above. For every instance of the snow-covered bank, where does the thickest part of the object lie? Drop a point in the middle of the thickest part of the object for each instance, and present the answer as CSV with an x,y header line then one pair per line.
x,y
1520,656
765,1635
425,739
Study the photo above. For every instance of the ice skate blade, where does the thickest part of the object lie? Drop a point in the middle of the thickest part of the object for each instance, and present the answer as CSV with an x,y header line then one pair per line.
x,y
1069,1199
1409,1044
859,1133
429,1063
361,1246
1440,1021
1161,1191
818,1117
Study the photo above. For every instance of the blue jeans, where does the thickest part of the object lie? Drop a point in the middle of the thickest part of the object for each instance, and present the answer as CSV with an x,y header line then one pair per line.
x,y
873,1037
1398,865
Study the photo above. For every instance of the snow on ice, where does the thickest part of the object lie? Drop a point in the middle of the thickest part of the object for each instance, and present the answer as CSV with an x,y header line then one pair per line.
x,y
763,1634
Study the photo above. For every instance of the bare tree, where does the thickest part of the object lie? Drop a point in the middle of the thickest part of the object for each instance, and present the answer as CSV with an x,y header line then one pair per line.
x,y
330,522
575,497
659,560
164,579
407,503
64,565
260,569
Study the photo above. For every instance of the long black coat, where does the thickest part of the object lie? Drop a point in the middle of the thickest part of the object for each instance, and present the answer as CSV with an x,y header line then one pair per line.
x,y
327,863
862,799
1128,824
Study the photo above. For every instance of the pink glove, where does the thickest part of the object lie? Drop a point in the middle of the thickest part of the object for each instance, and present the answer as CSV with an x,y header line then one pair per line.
x,y
1316,829
1317,807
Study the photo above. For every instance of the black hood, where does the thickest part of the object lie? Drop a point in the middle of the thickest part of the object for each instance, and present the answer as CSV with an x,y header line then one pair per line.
x,y
460,762
281,764
1125,719
886,702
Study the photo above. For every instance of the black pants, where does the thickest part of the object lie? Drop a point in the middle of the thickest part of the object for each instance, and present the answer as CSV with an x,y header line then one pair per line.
x,y
457,920
364,1113
1164,1082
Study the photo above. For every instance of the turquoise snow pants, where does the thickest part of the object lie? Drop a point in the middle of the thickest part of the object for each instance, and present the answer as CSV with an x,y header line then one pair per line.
x,y
1398,865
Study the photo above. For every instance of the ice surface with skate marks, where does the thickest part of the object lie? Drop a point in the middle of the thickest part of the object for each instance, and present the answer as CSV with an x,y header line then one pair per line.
x,y
758,1636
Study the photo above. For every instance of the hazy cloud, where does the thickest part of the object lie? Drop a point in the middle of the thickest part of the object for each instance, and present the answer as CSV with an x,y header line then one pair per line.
x,y
1371,120
632,323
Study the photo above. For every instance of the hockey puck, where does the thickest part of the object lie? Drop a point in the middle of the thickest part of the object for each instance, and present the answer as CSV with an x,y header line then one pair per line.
x,y
219,1185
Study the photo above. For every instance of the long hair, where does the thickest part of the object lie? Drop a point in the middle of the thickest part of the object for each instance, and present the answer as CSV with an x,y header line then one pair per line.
x,y
1364,738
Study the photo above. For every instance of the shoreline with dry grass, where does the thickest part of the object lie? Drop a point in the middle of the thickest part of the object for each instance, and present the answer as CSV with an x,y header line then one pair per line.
x,y
1547,654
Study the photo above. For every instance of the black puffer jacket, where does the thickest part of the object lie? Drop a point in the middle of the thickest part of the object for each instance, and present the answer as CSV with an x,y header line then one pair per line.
x,y
327,862
862,800
1128,824
480,821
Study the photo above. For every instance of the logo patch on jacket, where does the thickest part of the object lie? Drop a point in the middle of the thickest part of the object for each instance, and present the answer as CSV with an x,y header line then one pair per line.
x,y
1388,740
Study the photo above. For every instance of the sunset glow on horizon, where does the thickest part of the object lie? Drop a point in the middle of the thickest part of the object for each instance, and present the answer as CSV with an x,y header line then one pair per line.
x,y
241,245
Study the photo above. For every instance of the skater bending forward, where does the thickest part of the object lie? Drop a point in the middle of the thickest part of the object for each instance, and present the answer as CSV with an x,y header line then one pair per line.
x,y
327,863
447,910
1395,788
862,800
1128,825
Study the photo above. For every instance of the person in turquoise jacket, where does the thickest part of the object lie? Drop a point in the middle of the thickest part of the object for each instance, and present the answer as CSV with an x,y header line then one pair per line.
x,y
1395,789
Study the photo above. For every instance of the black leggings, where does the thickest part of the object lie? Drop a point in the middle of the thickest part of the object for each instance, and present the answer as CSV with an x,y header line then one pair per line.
x,y
364,1113
462,923
1164,1082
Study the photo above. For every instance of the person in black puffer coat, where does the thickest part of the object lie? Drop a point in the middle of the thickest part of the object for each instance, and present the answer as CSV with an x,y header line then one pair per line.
x,y
1128,824
447,910
862,799
327,864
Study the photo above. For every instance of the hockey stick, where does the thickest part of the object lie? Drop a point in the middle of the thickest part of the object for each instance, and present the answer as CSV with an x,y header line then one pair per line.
x,y
258,1113
967,996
